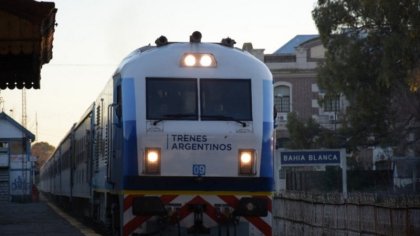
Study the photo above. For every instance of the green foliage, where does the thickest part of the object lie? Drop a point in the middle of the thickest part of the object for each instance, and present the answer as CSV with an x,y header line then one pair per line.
x,y
310,135
373,59
43,151
301,135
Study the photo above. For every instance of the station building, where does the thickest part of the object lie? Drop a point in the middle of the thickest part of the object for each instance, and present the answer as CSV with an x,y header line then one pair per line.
x,y
294,68
16,165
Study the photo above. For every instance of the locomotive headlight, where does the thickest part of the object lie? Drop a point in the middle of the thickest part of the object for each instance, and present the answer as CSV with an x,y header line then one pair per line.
x,y
247,162
246,157
206,60
198,60
152,161
189,60
153,156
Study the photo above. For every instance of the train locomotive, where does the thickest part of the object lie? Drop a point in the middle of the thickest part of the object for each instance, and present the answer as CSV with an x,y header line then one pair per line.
x,y
179,142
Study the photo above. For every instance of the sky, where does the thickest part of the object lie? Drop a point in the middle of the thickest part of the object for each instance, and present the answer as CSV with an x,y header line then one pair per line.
x,y
92,37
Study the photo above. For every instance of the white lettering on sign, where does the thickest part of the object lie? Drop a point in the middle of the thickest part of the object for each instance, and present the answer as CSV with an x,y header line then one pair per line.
x,y
321,157
195,143
324,157
294,158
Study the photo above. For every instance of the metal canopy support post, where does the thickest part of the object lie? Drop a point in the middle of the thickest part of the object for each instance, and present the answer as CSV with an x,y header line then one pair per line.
x,y
344,172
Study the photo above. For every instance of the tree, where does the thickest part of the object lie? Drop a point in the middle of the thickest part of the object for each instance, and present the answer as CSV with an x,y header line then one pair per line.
x,y
311,135
43,151
301,135
373,59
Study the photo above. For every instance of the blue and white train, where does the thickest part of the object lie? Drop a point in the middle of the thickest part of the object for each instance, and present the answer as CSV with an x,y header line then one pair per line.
x,y
179,142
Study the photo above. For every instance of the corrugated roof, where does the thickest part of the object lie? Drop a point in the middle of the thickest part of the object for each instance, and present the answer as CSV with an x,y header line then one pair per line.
x,y
26,36
289,47
34,11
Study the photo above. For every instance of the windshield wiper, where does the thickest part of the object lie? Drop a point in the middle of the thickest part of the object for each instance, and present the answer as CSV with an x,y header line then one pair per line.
x,y
222,117
176,116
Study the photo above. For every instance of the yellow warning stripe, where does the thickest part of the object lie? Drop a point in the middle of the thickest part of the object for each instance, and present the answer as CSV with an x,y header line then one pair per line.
x,y
185,192
82,228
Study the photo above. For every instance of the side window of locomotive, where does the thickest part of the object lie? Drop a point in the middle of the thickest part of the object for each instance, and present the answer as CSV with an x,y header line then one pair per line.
x,y
226,99
171,99
118,108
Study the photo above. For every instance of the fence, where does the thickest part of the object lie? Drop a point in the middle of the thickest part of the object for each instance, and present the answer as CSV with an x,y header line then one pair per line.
x,y
300,213
330,180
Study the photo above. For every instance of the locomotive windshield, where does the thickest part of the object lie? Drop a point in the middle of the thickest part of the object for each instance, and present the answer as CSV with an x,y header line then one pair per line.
x,y
227,99
220,99
171,99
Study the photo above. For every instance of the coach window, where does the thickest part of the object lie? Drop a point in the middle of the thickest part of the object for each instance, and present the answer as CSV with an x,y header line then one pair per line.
x,y
171,99
223,99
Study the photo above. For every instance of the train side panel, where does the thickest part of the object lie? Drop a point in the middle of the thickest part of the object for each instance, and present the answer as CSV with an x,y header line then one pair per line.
x,y
64,186
83,147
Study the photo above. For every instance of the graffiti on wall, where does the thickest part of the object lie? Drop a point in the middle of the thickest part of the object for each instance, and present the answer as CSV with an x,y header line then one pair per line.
x,y
20,177
20,184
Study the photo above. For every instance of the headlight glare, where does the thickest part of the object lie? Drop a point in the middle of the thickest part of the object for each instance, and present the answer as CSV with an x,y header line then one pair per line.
x,y
247,159
189,60
206,60
152,161
152,156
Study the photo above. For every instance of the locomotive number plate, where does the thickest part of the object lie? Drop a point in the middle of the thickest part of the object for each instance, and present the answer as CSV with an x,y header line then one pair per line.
x,y
199,170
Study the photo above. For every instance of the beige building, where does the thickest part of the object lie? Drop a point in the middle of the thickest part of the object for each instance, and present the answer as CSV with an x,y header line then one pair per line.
x,y
294,69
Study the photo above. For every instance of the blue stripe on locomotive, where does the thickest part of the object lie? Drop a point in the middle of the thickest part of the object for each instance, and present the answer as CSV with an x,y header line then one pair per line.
x,y
129,132
266,169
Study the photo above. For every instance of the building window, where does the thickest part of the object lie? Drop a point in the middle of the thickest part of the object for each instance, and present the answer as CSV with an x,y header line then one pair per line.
x,y
4,154
282,98
331,103
18,147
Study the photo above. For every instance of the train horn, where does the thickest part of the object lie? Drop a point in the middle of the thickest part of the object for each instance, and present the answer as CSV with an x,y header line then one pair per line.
x,y
228,42
161,41
195,37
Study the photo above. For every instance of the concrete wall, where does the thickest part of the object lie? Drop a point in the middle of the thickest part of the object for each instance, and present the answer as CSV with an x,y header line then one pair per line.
x,y
361,214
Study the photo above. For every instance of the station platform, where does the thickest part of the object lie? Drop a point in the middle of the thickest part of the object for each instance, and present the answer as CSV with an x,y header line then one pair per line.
x,y
39,219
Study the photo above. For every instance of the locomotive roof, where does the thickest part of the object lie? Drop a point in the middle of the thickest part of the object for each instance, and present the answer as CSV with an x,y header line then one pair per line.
x,y
174,50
